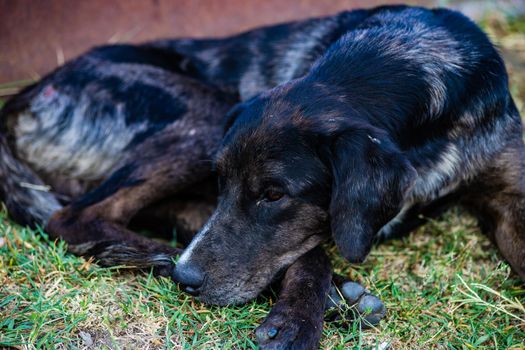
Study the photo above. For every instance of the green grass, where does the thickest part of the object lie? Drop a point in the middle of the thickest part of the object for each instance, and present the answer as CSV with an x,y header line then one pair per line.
x,y
445,287
50,297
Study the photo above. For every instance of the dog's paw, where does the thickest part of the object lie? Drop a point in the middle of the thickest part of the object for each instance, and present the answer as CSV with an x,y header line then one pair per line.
x,y
352,302
284,330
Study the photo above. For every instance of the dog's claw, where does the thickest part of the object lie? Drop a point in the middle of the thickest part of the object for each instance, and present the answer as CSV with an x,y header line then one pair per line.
x,y
272,332
267,332
264,335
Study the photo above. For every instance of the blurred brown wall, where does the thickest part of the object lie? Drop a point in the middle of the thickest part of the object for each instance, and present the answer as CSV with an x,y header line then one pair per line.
x,y
37,35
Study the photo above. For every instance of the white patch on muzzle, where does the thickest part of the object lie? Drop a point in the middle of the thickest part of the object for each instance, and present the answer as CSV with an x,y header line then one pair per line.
x,y
188,252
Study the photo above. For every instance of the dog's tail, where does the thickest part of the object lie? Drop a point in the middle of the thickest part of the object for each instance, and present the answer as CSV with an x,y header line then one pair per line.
x,y
25,195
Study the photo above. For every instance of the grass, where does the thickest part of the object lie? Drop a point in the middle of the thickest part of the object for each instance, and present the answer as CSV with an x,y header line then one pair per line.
x,y
445,287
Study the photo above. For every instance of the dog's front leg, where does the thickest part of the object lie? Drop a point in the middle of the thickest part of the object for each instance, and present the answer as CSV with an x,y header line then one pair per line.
x,y
296,320
308,290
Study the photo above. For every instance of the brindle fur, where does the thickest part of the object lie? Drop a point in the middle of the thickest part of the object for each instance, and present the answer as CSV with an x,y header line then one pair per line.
x,y
364,120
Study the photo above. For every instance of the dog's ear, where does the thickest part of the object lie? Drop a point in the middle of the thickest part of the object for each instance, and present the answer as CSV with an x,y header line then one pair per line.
x,y
232,115
370,179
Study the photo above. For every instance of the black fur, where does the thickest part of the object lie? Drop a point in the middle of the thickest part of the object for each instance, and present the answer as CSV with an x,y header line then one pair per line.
x,y
347,126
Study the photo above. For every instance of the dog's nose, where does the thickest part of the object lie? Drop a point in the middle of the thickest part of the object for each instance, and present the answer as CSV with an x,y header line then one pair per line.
x,y
190,277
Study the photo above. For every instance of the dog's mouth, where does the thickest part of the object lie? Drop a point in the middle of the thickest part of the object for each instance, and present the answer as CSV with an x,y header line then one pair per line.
x,y
221,297
236,280
236,291
233,291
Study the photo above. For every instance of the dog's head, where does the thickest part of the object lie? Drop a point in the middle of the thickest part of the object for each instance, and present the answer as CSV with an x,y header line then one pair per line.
x,y
294,166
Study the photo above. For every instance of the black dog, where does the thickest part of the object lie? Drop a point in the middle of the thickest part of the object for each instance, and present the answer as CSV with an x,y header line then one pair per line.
x,y
404,114
353,124
123,137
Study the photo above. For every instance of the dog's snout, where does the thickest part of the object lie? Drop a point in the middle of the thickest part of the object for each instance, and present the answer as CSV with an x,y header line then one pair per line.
x,y
190,277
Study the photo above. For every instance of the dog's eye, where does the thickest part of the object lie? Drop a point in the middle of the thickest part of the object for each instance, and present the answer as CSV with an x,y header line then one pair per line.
x,y
273,195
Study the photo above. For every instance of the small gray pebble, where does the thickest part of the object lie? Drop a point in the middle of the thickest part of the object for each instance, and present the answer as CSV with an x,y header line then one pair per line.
x,y
370,304
352,291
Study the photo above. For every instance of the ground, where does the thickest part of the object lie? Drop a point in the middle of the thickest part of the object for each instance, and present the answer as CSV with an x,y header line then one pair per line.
x,y
445,286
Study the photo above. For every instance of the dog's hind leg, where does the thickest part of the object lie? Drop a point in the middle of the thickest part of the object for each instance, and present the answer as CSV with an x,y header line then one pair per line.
x,y
96,223
497,199
120,118
26,196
